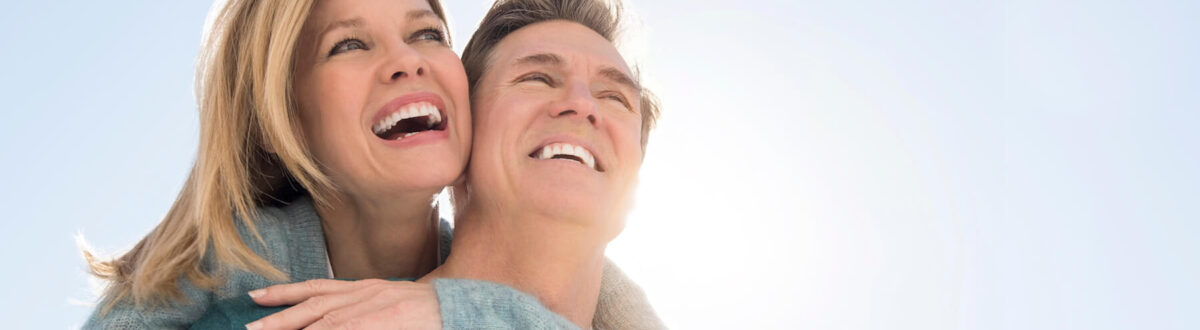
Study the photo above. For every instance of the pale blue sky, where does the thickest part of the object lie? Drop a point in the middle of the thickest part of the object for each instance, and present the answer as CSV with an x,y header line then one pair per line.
x,y
820,164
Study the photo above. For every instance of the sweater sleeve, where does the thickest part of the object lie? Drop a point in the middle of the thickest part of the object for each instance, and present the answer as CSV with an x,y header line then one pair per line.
x,y
473,304
197,301
174,315
622,303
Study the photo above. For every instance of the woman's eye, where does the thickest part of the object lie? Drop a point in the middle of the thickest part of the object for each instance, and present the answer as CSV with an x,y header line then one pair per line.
x,y
347,45
430,34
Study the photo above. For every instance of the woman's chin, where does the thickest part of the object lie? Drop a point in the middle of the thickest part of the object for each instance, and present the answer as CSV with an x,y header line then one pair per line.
x,y
423,175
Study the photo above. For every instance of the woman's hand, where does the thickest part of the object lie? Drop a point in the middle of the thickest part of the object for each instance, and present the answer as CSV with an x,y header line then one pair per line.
x,y
364,304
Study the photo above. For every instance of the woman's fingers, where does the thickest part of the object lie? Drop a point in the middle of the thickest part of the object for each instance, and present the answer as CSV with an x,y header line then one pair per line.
x,y
389,316
393,305
352,316
294,293
309,311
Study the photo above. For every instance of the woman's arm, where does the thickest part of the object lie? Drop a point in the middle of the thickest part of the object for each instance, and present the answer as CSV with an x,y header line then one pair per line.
x,y
470,304
370,304
461,303
174,315
473,304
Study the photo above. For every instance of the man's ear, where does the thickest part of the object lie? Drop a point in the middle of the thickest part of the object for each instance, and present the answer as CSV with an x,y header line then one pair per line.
x,y
458,188
460,193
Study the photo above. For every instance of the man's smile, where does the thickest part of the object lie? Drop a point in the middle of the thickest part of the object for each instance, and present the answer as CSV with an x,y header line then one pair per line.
x,y
567,151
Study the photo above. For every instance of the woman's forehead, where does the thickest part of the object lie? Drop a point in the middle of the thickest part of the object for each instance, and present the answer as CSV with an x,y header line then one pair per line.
x,y
327,12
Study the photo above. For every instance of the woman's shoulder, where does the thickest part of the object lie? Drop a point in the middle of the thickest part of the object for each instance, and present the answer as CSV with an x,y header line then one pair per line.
x,y
289,236
280,225
291,240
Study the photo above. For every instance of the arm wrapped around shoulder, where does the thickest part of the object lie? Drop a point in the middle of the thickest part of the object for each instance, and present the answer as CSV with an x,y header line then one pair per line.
x,y
474,304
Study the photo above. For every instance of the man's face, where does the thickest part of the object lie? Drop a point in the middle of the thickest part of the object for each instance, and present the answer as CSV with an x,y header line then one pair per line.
x,y
557,126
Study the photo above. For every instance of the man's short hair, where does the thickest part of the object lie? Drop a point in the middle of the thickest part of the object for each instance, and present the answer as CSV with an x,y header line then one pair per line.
x,y
507,16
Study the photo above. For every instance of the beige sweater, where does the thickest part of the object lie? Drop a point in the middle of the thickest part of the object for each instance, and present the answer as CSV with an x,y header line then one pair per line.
x,y
622,303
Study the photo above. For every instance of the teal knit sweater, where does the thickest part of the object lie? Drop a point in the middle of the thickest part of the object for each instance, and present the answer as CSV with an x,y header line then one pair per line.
x,y
295,244
469,304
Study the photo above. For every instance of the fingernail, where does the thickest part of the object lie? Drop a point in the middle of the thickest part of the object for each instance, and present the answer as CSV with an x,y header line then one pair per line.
x,y
254,325
257,293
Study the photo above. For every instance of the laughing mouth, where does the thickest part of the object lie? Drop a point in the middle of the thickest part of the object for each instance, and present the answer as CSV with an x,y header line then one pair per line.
x,y
569,152
408,121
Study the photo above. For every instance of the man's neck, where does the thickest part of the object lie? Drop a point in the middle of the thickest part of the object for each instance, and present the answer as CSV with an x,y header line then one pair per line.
x,y
552,259
380,238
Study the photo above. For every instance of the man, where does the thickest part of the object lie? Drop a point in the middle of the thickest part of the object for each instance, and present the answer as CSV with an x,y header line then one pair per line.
x,y
560,130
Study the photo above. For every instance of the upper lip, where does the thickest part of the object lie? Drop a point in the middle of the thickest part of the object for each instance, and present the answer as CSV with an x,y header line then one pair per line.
x,y
400,102
591,148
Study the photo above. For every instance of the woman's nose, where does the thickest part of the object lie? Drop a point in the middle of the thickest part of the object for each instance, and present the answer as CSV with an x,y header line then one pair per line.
x,y
402,62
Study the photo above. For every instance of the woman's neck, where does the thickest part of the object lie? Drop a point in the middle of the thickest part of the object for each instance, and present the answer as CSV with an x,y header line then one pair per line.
x,y
380,238
557,261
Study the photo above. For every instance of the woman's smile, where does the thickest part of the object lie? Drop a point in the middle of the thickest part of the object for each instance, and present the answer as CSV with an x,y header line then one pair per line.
x,y
411,119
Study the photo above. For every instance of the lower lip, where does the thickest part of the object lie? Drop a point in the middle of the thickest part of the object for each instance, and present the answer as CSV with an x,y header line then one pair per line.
x,y
422,138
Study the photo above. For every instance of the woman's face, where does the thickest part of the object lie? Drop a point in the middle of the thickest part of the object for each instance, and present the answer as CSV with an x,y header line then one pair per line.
x,y
382,98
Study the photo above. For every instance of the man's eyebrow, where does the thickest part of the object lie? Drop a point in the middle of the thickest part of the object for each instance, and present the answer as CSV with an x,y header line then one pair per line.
x,y
540,59
609,73
619,77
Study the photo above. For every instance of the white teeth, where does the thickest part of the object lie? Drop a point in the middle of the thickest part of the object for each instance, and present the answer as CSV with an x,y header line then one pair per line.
x,y
404,136
589,160
435,117
555,149
409,111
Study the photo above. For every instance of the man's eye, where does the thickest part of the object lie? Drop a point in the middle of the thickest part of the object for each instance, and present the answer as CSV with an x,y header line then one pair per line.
x,y
430,34
347,45
537,77
618,98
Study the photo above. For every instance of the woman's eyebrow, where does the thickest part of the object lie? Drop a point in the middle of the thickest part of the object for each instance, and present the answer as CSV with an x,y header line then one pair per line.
x,y
416,14
358,21
341,24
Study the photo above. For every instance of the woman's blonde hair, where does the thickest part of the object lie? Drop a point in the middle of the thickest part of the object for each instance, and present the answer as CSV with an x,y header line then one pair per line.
x,y
251,153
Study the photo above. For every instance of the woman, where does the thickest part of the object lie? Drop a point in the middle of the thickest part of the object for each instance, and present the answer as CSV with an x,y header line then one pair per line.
x,y
326,130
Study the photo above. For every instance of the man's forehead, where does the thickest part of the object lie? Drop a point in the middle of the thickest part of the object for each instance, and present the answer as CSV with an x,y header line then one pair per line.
x,y
559,43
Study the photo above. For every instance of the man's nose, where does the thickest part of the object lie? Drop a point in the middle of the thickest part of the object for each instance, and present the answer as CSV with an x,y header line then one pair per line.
x,y
577,102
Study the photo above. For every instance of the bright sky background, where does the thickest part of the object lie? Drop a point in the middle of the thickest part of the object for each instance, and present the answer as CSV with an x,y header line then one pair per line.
x,y
820,164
